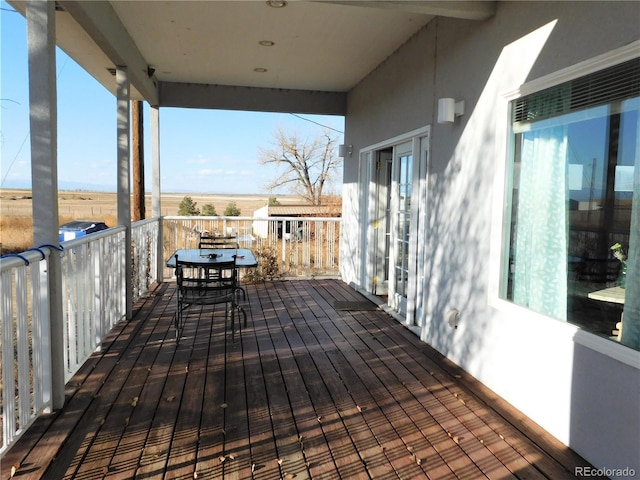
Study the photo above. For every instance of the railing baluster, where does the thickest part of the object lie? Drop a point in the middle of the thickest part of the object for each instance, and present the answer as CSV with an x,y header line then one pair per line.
x,y
95,281
8,376
22,345
40,327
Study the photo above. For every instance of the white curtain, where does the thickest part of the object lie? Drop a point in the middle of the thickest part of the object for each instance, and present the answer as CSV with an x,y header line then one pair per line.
x,y
631,322
540,255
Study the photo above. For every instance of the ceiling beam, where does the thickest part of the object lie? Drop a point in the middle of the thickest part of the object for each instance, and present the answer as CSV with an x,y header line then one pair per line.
x,y
469,9
101,23
225,97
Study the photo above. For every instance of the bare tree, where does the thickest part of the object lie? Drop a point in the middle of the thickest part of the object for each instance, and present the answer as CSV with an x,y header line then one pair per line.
x,y
309,164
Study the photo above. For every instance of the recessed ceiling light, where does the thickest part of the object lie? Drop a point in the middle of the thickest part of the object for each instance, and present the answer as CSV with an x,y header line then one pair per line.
x,y
260,70
266,43
277,3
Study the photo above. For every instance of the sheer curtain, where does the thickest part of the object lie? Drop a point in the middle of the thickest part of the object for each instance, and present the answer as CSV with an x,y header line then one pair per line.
x,y
631,327
540,254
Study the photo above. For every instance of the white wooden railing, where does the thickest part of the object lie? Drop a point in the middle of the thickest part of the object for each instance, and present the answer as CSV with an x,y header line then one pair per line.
x,y
145,238
24,341
300,246
93,292
93,286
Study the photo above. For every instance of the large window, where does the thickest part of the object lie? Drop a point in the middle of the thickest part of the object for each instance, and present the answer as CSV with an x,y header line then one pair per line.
x,y
575,148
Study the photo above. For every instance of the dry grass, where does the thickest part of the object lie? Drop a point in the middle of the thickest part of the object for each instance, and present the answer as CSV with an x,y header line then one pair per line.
x,y
15,233
16,223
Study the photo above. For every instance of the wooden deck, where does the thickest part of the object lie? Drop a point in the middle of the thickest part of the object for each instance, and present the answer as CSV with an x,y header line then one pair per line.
x,y
305,391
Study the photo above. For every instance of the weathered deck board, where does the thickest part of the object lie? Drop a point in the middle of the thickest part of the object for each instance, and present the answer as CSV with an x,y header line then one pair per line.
x,y
304,391
411,451
364,441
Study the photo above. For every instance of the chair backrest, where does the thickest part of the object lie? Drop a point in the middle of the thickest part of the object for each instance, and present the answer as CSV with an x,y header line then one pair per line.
x,y
195,289
218,242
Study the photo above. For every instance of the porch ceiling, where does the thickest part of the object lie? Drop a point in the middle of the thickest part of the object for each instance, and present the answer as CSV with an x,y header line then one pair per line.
x,y
319,46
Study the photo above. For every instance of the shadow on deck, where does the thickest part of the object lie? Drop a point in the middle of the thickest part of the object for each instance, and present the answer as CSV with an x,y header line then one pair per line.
x,y
305,391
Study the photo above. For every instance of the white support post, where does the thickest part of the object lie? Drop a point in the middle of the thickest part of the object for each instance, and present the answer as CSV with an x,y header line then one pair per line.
x,y
41,35
155,162
124,182
156,193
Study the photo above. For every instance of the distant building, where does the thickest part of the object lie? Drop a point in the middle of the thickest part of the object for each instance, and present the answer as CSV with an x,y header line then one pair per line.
x,y
289,213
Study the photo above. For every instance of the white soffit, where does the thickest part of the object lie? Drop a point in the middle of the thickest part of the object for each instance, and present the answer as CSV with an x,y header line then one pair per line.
x,y
317,46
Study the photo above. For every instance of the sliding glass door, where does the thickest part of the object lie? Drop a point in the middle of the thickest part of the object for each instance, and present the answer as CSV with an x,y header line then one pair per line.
x,y
400,216
395,232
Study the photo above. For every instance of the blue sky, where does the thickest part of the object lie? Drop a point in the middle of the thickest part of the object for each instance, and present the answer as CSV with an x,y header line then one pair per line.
x,y
201,151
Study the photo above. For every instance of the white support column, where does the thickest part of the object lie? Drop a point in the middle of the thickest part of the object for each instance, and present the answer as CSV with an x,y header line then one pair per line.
x,y
155,162
41,35
156,192
124,182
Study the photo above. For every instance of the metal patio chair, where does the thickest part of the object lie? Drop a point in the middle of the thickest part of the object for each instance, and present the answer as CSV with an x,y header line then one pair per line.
x,y
219,288
218,242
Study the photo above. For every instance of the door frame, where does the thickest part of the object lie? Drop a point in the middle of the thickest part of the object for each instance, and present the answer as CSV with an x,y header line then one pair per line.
x,y
420,139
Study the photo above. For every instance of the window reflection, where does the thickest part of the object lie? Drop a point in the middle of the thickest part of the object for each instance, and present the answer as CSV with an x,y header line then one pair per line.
x,y
571,201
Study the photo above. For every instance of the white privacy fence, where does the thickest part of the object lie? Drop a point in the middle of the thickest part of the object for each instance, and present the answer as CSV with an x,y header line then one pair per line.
x,y
289,246
93,300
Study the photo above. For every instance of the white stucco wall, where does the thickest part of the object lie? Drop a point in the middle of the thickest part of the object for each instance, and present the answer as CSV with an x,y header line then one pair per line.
x,y
555,374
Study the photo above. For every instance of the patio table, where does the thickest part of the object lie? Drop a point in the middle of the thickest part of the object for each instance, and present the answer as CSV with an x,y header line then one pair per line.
x,y
612,295
210,256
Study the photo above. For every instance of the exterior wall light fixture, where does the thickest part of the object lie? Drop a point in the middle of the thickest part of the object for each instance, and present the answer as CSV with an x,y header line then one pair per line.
x,y
449,109
345,150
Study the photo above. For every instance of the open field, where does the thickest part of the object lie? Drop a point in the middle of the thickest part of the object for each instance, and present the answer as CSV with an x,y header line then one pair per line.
x,y
16,225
